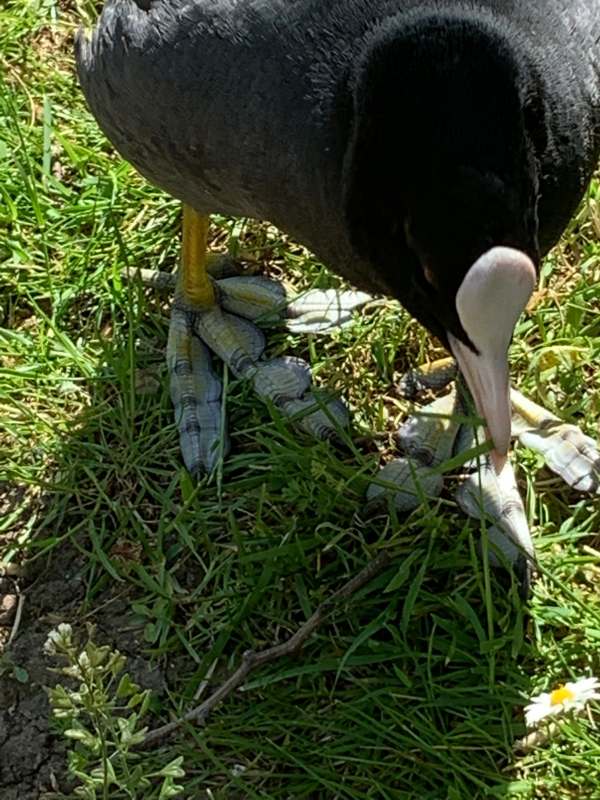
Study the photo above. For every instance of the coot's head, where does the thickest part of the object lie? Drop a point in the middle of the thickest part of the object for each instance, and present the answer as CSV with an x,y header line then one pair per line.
x,y
440,190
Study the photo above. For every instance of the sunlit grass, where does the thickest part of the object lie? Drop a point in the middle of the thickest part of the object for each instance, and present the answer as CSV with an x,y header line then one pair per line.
x,y
410,693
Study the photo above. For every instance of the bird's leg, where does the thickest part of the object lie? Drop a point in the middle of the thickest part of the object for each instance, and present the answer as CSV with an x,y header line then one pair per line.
x,y
195,388
194,284
198,327
565,448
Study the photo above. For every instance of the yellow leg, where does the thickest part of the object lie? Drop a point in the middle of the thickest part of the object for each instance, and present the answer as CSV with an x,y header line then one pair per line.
x,y
442,366
433,376
194,283
533,414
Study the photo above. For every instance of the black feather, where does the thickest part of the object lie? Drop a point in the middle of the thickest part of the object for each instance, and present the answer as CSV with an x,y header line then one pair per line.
x,y
386,135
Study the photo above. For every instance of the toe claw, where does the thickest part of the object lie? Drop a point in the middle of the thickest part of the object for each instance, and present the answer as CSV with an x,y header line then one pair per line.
x,y
524,571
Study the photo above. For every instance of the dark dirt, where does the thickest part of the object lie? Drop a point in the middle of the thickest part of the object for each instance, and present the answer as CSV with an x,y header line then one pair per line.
x,y
32,752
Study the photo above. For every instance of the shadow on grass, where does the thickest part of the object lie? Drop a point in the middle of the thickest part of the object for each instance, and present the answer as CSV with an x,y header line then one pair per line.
x,y
411,690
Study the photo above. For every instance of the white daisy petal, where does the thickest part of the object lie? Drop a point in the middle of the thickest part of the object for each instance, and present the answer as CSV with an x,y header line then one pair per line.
x,y
572,696
585,688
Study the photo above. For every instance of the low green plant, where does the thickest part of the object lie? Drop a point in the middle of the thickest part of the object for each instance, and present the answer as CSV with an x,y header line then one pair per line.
x,y
102,718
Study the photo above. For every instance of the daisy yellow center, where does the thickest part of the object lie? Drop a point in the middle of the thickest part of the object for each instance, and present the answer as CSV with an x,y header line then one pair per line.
x,y
560,695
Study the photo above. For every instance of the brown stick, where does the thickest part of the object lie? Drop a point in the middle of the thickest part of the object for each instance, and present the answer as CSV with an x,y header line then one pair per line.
x,y
252,659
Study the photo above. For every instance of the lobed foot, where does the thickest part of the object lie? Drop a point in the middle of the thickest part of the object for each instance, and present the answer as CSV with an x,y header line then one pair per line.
x,y
566,450
227,329
484,494
431,437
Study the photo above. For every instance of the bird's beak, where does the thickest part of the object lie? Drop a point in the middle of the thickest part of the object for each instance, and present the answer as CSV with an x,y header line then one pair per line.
x,y
487,379
489,301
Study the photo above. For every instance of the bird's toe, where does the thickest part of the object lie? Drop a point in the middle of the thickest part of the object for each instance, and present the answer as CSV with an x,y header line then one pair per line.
x,y
323,311
252,297
196,395
429,434
426,440
568,452
237,341
430,377
321,417
407,482
494,498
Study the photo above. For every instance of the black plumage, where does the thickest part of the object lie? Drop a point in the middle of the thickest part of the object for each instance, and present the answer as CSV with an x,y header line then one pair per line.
x,y
397,139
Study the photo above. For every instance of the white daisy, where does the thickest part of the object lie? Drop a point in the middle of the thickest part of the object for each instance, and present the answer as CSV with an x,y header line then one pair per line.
x,y
570,696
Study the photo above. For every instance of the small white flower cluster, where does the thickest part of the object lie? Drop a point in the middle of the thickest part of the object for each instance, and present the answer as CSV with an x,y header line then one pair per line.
x,y
58,639
572,696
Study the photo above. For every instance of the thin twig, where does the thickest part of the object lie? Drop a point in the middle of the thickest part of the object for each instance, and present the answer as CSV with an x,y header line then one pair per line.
x,y
17,620
252,659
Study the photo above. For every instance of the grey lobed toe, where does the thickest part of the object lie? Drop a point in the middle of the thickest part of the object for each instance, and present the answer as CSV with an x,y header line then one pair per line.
x,y
568,452
495,498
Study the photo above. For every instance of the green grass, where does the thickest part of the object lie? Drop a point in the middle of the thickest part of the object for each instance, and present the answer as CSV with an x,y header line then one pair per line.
x,y
414,689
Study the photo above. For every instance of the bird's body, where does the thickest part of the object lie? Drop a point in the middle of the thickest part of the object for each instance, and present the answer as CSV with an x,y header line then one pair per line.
x,y
432,150
248,107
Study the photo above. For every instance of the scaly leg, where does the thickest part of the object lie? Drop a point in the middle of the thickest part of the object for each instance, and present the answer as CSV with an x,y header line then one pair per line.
x,y
195,389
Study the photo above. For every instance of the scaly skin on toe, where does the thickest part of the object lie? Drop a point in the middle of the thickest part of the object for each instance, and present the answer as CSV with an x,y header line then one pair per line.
x,y
196,396
566,449
426,440
494,498
195,389
487,494
434,376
